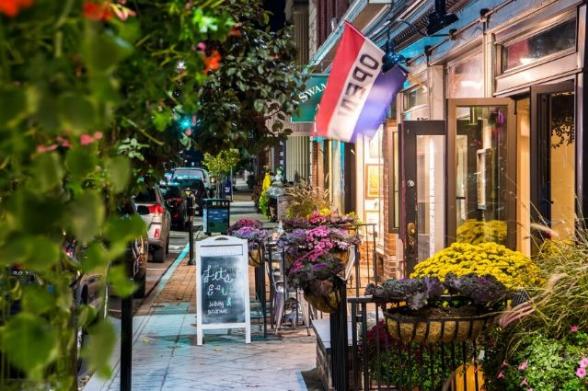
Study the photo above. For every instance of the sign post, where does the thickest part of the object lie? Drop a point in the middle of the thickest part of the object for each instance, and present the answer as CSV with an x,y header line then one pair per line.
x,y
222,283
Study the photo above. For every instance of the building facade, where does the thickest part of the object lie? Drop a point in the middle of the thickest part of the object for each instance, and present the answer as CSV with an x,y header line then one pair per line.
x,y
486,138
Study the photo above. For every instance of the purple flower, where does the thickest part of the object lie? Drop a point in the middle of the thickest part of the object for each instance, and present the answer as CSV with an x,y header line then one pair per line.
x,y
581,373
251,234
584,362
245,223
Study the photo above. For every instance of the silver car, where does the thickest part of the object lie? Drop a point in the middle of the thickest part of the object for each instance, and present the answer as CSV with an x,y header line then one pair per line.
x,y
151,207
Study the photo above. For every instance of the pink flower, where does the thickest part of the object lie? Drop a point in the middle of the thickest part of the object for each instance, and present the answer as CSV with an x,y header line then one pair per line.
x,y
98,136
524,365
524,383
584,362
201,47
86,139
574,329
48,148
581,373
500,375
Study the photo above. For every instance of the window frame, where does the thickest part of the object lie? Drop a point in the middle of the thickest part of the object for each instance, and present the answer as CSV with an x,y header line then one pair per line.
x,y
502,46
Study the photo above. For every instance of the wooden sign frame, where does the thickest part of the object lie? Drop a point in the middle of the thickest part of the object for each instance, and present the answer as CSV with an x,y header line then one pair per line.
x,y
222,246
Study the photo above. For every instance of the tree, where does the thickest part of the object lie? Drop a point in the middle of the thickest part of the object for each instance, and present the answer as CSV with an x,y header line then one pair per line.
x,y
258,81
221,164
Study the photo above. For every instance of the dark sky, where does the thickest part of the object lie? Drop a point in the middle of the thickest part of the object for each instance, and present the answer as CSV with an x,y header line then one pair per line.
x,y
277,8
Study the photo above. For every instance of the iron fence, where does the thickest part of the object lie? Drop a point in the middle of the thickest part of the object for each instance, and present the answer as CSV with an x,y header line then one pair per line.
x,y
379,362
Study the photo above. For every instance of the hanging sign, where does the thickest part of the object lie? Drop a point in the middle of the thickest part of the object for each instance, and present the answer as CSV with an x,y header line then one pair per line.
x,y
222,286
310,98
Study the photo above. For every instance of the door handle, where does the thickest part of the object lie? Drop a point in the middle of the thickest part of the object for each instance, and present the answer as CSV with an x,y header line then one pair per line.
x,y
411,234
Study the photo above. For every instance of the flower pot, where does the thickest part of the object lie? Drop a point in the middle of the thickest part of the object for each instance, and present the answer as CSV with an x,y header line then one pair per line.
x,y
407,328
322,295
342,255
255,257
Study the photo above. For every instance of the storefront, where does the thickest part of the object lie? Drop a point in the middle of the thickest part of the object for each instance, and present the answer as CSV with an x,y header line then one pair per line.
x,y
491,129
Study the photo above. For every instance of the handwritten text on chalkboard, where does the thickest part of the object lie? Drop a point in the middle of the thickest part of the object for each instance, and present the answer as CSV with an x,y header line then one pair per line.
x,y
222,292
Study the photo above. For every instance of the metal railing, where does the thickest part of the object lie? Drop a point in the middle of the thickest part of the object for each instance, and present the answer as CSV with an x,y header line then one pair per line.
x,y
379,362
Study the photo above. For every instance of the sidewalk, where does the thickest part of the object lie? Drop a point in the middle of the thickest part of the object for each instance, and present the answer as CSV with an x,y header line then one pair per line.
x,y
165,355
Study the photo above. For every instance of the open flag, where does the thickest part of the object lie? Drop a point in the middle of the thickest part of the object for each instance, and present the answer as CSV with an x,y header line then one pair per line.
x,y
358,93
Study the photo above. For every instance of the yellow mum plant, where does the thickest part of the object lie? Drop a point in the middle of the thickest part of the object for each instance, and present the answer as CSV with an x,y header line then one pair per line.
x,y
512,268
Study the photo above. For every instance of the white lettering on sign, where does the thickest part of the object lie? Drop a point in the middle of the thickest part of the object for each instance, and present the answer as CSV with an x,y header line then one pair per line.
x,y
219,275
310,92
359,82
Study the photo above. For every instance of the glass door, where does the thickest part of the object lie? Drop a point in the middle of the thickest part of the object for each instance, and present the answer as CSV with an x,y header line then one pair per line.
x,y
481,171
423,189
553,161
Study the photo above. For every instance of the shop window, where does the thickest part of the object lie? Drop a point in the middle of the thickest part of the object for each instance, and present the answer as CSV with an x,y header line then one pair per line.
x,y
551,41
414,97
465,78
481,179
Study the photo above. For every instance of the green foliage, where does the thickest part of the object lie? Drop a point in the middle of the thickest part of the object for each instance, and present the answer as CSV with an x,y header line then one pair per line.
x,y
221,163
546,337
563,300
532,360
258,79
156,90
304,199
78,100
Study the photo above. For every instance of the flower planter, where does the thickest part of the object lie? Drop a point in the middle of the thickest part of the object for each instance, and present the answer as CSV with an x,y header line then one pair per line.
x,y
342,255
255,257
406,327
322,295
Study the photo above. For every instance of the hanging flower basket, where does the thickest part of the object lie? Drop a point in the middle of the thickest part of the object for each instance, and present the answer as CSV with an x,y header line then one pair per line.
x,y
255,257
438,325
323,296
341,255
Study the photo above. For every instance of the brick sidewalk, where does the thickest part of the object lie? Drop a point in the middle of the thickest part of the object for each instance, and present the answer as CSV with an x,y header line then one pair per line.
x,y
180,289
166,357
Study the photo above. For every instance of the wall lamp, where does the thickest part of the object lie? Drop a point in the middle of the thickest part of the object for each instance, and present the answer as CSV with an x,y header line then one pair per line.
x,y
438,20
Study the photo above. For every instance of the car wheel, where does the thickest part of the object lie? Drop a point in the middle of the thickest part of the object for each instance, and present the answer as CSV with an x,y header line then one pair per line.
x,y
141,289
159,254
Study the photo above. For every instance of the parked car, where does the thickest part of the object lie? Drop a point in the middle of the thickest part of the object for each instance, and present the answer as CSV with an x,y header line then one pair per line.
x,y
86,290
151,206
195,188
184,173
137,253
86,287
177,204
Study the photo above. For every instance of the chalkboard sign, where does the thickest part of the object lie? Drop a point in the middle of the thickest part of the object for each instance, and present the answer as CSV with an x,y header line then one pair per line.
x,y
222,285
